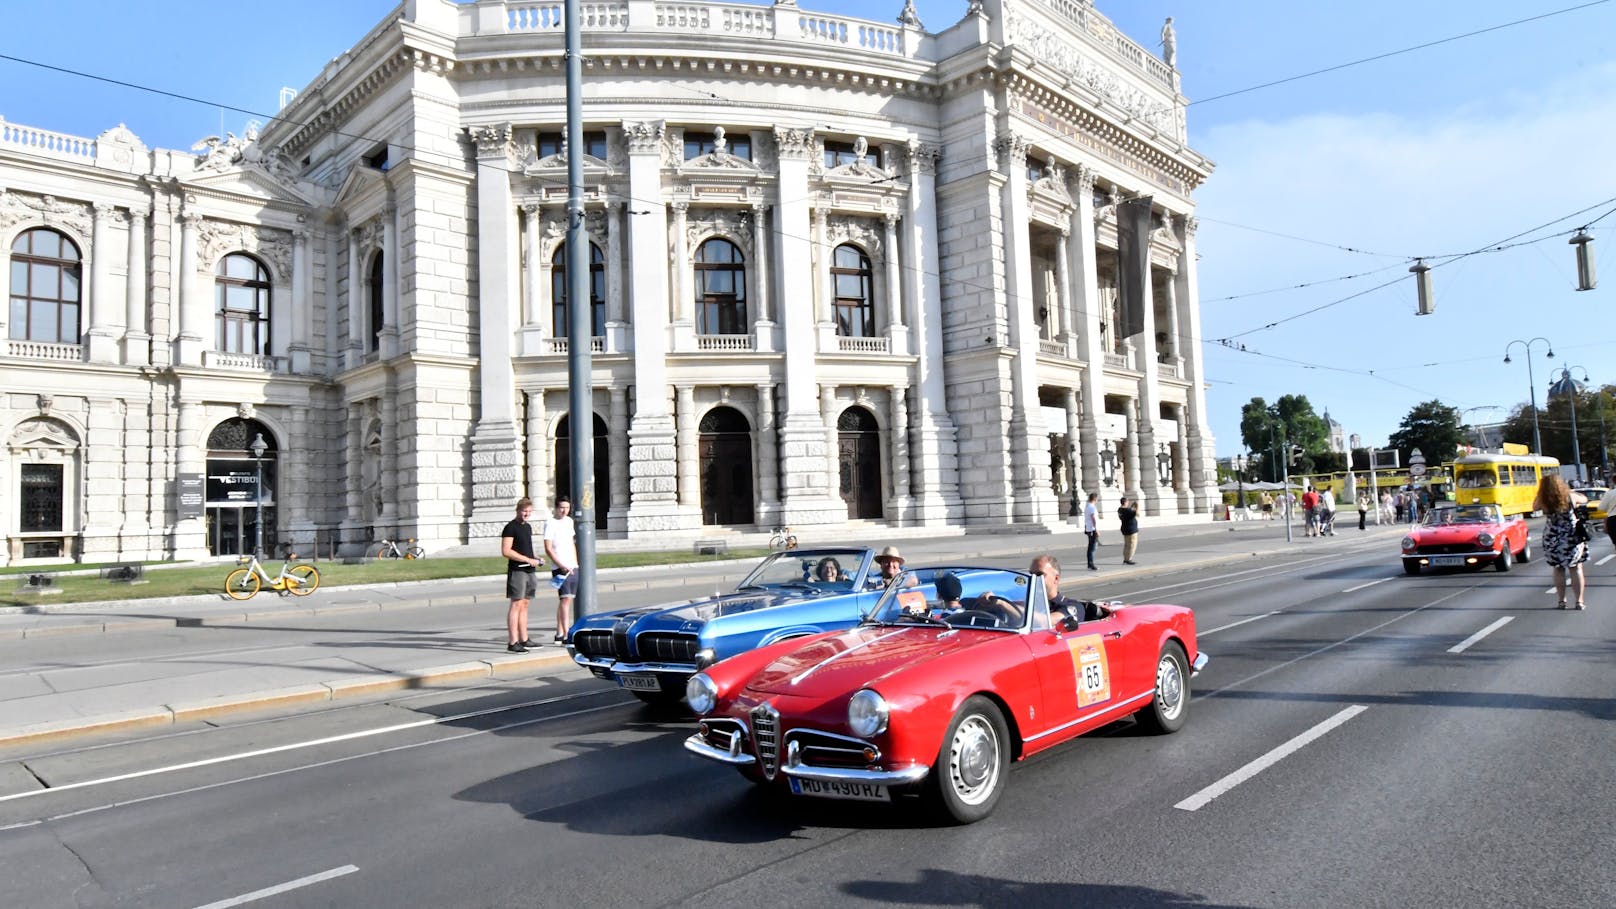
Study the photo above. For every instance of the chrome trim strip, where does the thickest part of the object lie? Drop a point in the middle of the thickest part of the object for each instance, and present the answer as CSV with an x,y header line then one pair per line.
x,y
685,668
1201,659
836,656
1084,719
696,745
1479,553
588,662
807,730
852,775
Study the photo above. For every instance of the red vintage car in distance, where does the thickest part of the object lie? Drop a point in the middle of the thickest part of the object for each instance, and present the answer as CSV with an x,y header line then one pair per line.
x,y
1467,536
957,673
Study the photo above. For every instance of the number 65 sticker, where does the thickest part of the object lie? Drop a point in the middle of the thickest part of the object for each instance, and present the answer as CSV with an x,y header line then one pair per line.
x,y
1093,672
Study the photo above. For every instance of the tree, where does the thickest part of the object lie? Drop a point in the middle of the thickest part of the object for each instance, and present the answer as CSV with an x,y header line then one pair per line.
x,y
1433,428
1267,428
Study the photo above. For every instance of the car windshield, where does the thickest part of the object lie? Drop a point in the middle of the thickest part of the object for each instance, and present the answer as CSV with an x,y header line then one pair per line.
x,y
1462,514
811,569
961,596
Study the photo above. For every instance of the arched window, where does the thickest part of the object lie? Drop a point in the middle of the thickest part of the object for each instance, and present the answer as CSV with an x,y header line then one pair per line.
x,y
45,273
242,305
597,291
720,289
855,292
377,306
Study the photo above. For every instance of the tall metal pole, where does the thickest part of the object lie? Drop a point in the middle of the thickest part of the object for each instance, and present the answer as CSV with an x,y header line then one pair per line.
x,y
258,448
1285,487
580,326
1531,384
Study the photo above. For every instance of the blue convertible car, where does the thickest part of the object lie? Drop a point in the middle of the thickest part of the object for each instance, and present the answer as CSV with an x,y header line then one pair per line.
x,y
652,650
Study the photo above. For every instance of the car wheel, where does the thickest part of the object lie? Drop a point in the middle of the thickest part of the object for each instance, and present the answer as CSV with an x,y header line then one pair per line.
x,y
1411,567
972,763
1505,560
1170,706
1526,550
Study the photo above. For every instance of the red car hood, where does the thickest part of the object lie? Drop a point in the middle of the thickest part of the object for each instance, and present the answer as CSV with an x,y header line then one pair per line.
x,y
844,663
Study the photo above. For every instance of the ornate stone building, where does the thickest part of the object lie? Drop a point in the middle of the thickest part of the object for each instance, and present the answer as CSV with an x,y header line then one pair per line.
x,y
841,271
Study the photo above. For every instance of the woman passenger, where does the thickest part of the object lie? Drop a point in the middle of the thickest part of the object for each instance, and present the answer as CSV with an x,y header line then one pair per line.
x,y
828,570
1560,545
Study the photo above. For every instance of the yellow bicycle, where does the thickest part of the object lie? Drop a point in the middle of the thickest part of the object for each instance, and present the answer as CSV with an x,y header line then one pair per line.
x,y
245,582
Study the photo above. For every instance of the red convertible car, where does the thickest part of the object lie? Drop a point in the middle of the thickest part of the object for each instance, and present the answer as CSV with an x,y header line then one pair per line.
x,y
1466,536
956,673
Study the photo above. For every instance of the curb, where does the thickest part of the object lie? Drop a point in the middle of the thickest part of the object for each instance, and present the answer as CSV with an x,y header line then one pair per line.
x,y
206,708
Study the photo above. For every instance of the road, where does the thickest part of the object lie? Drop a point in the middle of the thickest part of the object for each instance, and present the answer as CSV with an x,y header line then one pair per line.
x,y
1360,738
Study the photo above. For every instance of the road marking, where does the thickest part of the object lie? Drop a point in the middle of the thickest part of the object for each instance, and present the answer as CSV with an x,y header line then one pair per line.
x,y
1606,559
1205,796
1370,584
1464,645
1211,631
281,888
314,743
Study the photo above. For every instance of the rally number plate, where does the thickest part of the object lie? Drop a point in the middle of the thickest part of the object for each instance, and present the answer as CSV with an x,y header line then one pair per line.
x,y
839,789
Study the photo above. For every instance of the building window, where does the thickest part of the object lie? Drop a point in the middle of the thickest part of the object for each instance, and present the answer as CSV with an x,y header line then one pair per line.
x,y
855,292
597,291
41,498
378,308
242,305
1036,170
838,154
551,144
738,144
720,289
45,286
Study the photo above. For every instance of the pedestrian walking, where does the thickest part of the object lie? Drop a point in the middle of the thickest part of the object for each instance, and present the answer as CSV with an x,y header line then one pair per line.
x,y
1091,526
521,579
1267,506
1310,511
1363,512
1326,512
1128,512
561,546
1565,536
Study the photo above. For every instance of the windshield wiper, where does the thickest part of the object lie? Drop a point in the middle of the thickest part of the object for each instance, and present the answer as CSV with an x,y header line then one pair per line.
x,y
926,617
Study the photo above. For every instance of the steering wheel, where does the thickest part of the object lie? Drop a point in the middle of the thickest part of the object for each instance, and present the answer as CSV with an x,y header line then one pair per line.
x,y
970,617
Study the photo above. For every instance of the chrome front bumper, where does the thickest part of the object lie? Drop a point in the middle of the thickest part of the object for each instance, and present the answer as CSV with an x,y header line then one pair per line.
x,y
1201,659
793,765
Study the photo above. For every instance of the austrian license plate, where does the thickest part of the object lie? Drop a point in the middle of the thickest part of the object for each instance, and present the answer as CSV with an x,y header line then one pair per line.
x,y
838,789
639,681
1447,560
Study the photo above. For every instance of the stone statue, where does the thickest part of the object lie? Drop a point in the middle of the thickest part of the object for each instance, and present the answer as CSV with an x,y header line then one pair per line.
x,y
1169,43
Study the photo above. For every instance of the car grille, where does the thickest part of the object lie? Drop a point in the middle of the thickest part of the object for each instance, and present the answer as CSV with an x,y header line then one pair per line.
x,y
830,751
667,647
766,738
620,640
594,643
718,729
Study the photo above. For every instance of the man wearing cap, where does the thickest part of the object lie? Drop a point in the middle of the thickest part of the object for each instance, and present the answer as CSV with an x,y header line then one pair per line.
x,y
891,564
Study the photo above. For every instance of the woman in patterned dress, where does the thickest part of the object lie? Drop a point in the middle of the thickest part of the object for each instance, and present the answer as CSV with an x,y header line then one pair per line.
x,y
1560,545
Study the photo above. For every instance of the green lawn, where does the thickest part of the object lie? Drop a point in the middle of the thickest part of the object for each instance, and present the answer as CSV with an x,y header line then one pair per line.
x,y
209,579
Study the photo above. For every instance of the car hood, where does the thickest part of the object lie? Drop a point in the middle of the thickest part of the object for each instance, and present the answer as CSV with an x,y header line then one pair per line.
x,y
704,609
1458,533
862,656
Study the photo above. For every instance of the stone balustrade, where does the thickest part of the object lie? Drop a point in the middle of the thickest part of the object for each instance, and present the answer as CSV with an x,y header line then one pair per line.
x,y
725,342
863,345
597,344
46,143
42,350
1099,31
218,359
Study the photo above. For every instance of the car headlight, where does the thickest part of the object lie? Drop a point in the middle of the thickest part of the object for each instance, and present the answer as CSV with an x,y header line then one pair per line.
x,y
700,693
705,657
867,713
1484,539
1408,543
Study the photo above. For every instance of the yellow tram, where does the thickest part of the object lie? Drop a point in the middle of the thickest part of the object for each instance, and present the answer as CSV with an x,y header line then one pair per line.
x,y
1507,480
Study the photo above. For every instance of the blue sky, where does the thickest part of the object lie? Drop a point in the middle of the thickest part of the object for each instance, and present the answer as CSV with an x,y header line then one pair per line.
x,y
1440,151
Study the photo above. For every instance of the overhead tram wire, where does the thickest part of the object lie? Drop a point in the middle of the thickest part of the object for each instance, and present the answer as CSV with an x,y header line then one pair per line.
x,y
1406,50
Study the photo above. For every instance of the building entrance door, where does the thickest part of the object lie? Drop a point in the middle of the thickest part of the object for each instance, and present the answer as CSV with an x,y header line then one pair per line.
x,y
860,462
725,450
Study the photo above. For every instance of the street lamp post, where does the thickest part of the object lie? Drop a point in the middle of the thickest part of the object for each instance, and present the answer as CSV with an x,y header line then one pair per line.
x,y
1531,384
258,447
1238,462
1568,387
1569,384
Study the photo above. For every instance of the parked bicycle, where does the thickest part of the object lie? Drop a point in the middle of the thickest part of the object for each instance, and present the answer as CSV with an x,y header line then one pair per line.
x,y
783,539
390,549
296,579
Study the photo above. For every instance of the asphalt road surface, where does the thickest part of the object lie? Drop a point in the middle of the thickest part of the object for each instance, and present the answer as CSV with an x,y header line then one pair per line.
x,y
1360,738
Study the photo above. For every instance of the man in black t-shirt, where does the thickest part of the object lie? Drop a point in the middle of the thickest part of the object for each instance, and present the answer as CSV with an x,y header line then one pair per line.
x,y
521,582
1060,605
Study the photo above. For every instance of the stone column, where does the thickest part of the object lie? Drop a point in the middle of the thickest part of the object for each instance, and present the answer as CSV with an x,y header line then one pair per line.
x,y
935,455
103,507
803,481
358,344
682,307
822,255
302,303
617,457
653,459
390,329
616,335
768,458
495,475
387,470
1196,432
297,485
897,331
538,275
355,529
137,336
1064,298
537,434
1031,500
106,315
194,335
1149,395
764,330
1074,447
1086,297
138,450
689,457
190,534
829,410
1139,451
898,452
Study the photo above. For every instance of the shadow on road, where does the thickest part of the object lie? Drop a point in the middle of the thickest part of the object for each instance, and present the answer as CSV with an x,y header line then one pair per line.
x,y
951,888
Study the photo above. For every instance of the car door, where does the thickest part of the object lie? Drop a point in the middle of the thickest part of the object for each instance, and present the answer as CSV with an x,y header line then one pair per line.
x,y
1087,671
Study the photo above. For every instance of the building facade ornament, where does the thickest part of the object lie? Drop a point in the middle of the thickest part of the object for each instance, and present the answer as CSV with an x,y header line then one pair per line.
x,y
923,158
1053,50
795,144
216,239
493,141
1011,150
17,208
734,225
863,232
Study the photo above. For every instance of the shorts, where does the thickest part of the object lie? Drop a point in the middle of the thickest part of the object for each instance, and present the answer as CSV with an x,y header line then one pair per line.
x,y
520,585
568,586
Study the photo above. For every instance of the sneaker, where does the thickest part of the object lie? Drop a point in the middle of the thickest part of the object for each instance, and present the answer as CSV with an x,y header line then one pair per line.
x,y
529,643
518,647
1094,568
1128,562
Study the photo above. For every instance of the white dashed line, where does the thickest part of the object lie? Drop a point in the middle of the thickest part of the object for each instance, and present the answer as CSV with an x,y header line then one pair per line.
x,y
281,888
1464,645
1205,796
1370,584
1606,559
1211,631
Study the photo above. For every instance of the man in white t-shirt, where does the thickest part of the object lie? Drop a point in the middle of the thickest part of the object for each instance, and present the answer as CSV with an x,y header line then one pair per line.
x,y
1091,526
561,548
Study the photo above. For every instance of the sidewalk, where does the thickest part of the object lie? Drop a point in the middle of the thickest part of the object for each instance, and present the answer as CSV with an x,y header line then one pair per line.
x,y
84,668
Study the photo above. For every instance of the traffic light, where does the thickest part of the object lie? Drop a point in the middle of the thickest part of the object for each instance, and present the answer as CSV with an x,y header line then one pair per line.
x,y
1296,454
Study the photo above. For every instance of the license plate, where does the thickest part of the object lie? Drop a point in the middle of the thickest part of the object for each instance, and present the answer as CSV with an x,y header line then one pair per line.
x,y
639,682
1447,560
839,789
